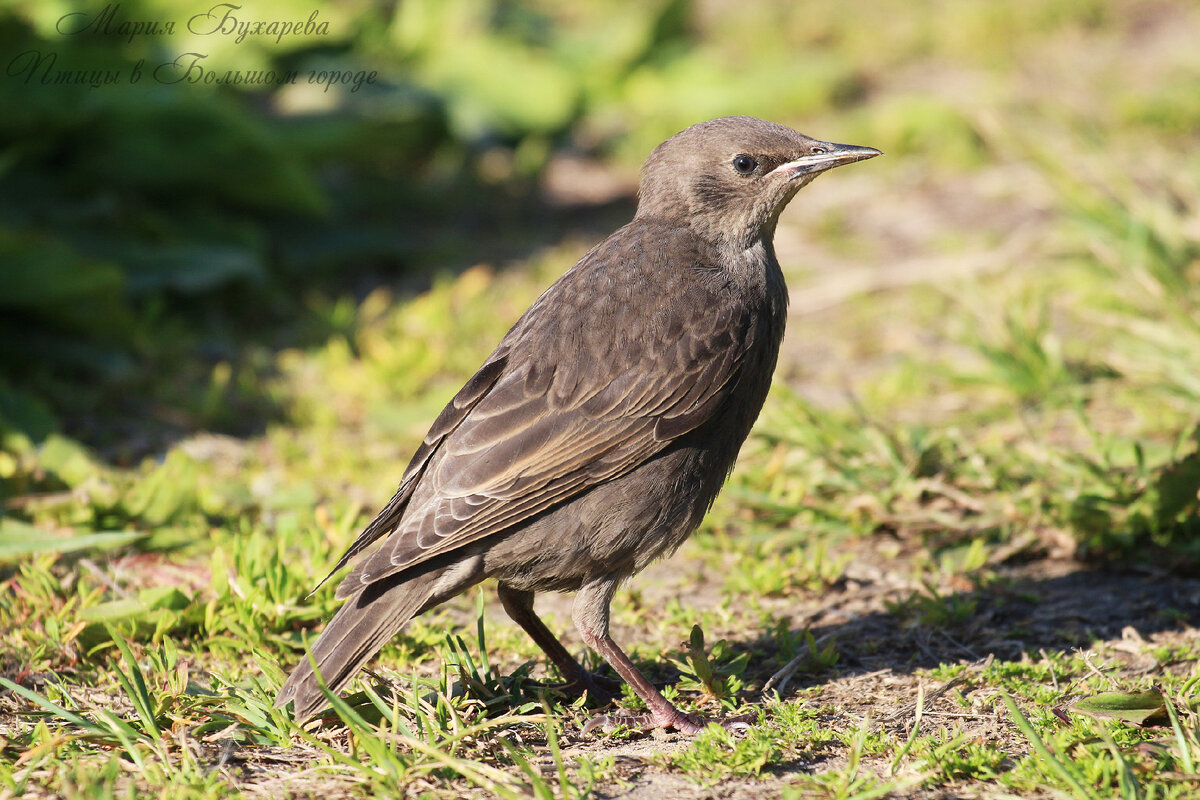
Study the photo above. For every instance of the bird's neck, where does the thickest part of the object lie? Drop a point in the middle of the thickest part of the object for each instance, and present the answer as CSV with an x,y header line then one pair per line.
x,y
754,256
755,271
748,259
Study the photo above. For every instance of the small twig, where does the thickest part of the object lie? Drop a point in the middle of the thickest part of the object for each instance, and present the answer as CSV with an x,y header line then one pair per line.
x,y
960,645
226,754
922,642
40,497
951,493
913,732
1087,659
1053,674
959,715
842,285
102,576
228,732
923,699
930,697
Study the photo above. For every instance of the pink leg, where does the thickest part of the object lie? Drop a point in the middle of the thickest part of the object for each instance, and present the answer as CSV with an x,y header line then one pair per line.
x,y
592,618
519,606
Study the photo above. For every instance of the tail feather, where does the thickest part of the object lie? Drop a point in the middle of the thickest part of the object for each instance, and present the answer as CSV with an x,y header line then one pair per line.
x,y
361,627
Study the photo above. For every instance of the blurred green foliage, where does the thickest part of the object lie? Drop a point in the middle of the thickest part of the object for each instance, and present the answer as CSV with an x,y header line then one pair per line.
x,y
141,218
125,207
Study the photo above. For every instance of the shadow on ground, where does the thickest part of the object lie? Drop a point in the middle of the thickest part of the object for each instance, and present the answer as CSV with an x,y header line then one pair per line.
x,y
1019,614
1029,614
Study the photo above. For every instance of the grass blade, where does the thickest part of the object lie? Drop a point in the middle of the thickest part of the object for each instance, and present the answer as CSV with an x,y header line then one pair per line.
x,y
1039,747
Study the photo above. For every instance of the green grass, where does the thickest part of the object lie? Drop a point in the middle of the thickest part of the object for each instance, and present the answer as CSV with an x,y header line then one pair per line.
x,y
959,434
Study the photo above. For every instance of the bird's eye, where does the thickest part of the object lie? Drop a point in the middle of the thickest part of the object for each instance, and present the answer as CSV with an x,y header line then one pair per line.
x,y
744,165
817,150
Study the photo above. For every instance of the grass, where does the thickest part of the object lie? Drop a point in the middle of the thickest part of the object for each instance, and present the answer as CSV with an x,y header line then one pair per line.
x,y
915,522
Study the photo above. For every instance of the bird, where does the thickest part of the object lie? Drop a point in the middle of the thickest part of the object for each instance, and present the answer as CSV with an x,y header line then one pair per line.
x,y
595,437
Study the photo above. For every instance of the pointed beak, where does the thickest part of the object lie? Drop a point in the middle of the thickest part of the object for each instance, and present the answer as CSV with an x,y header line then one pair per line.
x,y
832,155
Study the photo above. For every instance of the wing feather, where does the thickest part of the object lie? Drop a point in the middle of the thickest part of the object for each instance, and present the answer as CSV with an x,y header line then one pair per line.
x,y
561,407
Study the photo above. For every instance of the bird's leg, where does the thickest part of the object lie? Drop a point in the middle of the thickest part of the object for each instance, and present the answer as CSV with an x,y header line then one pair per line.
x,y
591,616
519,606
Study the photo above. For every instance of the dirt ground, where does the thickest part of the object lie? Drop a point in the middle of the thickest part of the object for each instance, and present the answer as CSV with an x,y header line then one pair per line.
x,y
1031,611
1034,610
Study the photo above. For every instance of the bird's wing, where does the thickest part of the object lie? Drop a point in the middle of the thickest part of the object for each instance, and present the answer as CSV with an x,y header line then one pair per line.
x,y
560,408
450,418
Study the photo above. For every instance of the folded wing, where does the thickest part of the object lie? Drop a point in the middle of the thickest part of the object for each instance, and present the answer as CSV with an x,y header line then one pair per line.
x,y
558,409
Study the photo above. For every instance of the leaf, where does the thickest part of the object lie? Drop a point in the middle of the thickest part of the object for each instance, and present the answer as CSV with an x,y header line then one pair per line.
x,y
1063,767
147,606
134,684
114,610
22,411
49,277
67,459
20,540
698,658
169,597
1178,487
190,268
55,710
470,67
166,492
1138,708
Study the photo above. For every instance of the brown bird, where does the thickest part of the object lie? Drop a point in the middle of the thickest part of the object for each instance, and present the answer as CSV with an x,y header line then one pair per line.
x,y
595,437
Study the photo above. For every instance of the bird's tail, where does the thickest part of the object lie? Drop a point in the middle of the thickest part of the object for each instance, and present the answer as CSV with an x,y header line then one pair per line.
x,y
361,627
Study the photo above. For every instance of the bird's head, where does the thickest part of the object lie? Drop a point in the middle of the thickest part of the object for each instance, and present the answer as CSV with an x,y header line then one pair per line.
x,y
729,178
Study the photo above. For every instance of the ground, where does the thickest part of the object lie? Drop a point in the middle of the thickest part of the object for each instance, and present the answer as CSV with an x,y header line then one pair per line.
x,y
969,505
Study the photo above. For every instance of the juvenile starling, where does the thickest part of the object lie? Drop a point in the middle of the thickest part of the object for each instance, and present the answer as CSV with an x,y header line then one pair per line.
x,y
595,437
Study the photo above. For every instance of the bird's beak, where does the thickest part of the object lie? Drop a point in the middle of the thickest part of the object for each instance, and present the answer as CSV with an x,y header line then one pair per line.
x,y
834,155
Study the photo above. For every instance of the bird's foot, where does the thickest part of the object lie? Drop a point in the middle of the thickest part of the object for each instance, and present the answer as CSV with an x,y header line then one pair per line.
x,y
673,719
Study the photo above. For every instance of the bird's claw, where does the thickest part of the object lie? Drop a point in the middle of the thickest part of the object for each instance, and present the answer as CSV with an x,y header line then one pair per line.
x,y
742,722
688,724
